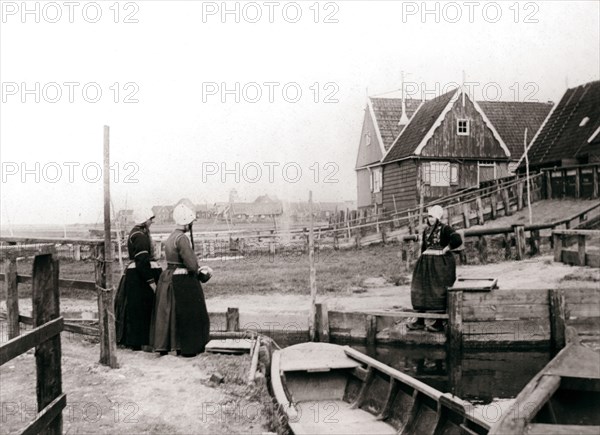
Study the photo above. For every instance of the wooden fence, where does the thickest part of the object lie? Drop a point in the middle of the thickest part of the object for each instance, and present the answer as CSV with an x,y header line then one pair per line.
x,y
580,257
518,236
108,355
45,337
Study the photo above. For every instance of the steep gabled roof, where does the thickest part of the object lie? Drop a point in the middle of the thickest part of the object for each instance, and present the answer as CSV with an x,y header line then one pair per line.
x,y
511,118
387,113
418,127
565,134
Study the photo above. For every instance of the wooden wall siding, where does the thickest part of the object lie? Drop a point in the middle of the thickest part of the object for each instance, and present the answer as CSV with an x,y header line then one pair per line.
x,y
519,316
400,183
480,143
467,177
368,154
363,188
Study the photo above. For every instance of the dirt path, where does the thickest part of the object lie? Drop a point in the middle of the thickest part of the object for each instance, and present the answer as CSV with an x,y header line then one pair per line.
x,y
147,394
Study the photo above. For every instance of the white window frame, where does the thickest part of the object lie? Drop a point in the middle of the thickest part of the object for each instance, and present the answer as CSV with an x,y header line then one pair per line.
x,y
486,165
376,180
468,124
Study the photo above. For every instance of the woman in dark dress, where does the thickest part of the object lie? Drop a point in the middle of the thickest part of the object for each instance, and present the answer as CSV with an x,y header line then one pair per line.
x,y
134,301
435,270
180,320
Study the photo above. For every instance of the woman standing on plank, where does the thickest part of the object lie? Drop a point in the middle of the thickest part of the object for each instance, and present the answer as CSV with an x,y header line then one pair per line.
x,y
180,320
435,270
135,297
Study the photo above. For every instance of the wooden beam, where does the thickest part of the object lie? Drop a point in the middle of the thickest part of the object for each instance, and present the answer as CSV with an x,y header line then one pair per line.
x,y
322,322
46,307
479,204
506,201
371,328
19,345
595,182
313,272
47,417
392,392
12,298
362,394
557,241
455,320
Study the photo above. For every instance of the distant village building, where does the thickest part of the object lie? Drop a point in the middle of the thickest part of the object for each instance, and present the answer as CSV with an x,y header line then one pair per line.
x,y
449,143
571,133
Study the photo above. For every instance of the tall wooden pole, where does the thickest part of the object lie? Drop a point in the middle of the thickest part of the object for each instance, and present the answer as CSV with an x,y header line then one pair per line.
x,y
313,272
108,345
528,184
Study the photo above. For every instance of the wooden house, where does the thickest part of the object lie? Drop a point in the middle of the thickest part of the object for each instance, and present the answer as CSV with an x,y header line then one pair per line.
x,y
450,143
570,134
382,123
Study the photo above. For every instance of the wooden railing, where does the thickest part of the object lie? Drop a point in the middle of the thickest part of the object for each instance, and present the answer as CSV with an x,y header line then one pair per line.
x,y
106,321
45,337
514,235
580,257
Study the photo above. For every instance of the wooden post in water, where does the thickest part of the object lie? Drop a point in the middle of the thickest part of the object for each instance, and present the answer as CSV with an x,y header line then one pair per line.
x,y
12,298
557,319
233,319
581,249
106,321
455,321
322,322
48,354
313,273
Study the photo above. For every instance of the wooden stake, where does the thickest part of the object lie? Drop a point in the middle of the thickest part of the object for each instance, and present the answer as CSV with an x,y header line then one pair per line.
x,y
12,298
313,273
47,354
108,345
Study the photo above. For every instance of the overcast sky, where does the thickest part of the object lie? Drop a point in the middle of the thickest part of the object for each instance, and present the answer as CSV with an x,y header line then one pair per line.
x,y
173,61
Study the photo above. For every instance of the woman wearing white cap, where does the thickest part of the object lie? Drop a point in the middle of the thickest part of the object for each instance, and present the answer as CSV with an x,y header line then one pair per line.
x,y
135,297
180,320
435,270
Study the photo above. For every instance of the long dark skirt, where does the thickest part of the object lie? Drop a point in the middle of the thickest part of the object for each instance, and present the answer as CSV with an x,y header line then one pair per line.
x,y
180,319
133,309
432,276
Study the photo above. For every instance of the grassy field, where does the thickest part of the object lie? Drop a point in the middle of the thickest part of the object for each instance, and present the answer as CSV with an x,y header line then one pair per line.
x,y
337,272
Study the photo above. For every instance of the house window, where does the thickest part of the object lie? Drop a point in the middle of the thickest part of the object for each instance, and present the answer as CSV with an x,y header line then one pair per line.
x,y
368,138
376,180
462,127
486,171
440,174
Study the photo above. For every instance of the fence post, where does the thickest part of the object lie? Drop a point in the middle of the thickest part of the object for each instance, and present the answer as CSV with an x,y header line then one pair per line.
x,y
581,249
494,205
77,252
45,299
479,204
383,234
12,298
557,238
506,246
519,195
371,327
233,319
519,231
466,215
106,314
506,201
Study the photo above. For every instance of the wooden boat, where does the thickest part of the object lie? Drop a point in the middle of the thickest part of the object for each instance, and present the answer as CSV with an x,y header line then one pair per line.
x,y
329,389
563,398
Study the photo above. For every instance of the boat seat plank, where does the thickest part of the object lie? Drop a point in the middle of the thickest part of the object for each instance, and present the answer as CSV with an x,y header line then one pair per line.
x,y
316,357
562,429
228,346
336,417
